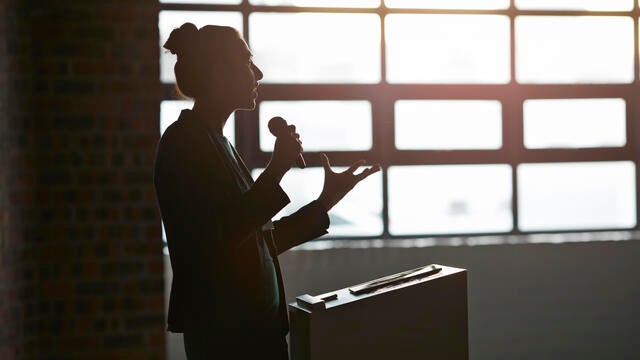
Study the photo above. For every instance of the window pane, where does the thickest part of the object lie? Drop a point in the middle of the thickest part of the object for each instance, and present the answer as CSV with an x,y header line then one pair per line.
x,y
574,123
448,4
316,48
448,124
170,110
319,3
593,5
359,213
425,48
572,49
322,125
445,199
219,2
169,20
568,196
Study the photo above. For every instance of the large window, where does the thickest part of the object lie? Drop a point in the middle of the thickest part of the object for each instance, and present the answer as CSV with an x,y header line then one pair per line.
x,y
488,116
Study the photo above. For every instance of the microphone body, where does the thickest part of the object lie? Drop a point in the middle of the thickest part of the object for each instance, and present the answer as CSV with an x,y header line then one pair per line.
x,y
278,127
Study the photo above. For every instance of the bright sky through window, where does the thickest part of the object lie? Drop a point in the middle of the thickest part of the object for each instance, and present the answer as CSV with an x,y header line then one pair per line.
x,y
448,124
448,4
447,48
493,110
324,48
220,2
574,123
574,49
572,196
443,199
588,5
319,3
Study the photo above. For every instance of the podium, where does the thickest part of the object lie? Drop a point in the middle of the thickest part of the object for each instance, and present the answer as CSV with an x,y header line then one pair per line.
x,y
420,313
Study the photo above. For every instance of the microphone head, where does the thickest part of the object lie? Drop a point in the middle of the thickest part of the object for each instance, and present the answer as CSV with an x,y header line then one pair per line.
x,y
276,125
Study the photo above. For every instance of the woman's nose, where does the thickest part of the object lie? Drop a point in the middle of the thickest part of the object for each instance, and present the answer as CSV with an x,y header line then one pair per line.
x,y
258,72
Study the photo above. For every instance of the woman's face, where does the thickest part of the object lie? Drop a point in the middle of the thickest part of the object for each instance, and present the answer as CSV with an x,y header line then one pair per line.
x,y
243,76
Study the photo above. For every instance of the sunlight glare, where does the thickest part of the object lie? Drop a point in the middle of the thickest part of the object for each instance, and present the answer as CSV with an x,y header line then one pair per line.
x,y
587,5
569,196
574,123
574,49
447,48
346,51
448,124
449,4
450,199
217,2
319,3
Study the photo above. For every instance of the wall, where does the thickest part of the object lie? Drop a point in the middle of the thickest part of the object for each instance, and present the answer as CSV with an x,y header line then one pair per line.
x,y
9,304
81,271
535,301
526,301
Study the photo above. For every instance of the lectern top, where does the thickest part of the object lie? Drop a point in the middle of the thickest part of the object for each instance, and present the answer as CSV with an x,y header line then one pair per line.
x,y
374,287
395,279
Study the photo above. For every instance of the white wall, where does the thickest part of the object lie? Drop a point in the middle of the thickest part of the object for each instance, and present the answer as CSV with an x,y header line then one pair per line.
x,y
526,301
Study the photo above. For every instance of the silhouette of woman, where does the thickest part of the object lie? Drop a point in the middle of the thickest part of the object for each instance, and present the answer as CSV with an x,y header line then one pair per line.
x,y
227,295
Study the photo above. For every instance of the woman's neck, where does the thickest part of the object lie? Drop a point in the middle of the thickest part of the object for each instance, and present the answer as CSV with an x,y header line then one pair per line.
x,y
213,115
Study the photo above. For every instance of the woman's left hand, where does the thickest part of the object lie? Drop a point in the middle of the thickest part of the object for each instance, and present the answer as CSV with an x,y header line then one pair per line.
x,y
337,185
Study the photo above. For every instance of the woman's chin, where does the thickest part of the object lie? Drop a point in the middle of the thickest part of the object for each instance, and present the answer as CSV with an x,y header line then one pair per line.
x,y
251,105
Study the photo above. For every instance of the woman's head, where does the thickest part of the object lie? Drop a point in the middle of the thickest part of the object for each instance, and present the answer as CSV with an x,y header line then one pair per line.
x,y
214,61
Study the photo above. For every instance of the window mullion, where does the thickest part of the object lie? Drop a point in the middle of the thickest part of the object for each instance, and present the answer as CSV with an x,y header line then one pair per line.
x,y
512,142
633,109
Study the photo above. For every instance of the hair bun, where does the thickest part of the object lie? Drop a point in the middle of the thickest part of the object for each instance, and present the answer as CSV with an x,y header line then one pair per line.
x,y
182,39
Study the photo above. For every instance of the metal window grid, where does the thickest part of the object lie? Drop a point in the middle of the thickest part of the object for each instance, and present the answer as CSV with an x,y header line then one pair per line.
x,y
383,95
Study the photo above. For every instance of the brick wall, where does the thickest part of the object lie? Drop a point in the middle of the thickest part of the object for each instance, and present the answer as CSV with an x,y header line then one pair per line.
x,y
81,271
8,262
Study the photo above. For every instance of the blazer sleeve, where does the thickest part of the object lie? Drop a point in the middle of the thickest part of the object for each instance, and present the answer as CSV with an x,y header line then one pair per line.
x,y
212,206
309,222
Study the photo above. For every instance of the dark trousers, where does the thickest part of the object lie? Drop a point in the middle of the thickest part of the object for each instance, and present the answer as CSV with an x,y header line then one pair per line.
x,y
207,345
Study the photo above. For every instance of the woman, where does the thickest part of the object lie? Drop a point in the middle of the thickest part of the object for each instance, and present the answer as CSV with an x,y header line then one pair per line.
x,y
227,295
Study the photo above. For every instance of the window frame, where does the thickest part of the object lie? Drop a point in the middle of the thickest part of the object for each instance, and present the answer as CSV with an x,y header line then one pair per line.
x,y
383,95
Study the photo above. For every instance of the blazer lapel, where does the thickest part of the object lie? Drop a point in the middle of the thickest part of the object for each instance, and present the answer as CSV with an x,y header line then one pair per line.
x,y
243,166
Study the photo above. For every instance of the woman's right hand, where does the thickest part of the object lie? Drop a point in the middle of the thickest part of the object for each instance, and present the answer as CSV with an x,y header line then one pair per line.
x,y
338,184
286,151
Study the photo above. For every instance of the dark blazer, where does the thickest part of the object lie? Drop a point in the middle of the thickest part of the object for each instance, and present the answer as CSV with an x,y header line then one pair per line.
x,y
213,228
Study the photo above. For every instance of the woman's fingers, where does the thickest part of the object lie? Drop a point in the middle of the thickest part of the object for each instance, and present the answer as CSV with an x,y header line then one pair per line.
x,y
351,169
325,161
368,171
355,165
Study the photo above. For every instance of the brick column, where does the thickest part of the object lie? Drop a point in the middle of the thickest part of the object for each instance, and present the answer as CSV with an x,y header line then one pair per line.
x,y
10,239
81,264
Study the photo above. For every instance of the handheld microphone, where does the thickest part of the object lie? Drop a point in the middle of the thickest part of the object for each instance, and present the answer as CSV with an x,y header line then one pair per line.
x,y
278,127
